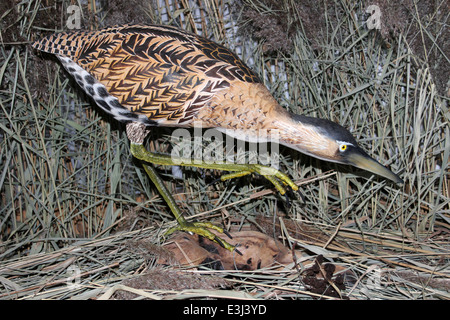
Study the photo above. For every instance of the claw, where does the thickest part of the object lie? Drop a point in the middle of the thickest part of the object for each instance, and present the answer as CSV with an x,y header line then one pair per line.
x,y
288,203
214,181
219,241
289,192
302,196
227,234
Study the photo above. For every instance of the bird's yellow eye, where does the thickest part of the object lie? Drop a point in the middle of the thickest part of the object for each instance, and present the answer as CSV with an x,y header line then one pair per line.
x,y
343,147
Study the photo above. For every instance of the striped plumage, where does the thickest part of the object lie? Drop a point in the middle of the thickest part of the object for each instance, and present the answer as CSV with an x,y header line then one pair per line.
x,y
161,72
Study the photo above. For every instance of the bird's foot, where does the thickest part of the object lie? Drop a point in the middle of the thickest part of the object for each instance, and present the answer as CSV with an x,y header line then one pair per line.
x,y
276,177
201,229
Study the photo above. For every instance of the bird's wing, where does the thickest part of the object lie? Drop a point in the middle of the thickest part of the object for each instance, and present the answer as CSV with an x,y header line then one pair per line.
x,y
161,72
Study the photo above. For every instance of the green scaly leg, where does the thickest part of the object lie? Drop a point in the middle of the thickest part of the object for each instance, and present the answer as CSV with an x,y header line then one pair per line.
x,y
277,178
200,228
136,133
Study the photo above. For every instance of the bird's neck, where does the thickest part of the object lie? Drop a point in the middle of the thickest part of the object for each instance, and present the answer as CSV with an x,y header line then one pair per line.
x,y
246,107
249,112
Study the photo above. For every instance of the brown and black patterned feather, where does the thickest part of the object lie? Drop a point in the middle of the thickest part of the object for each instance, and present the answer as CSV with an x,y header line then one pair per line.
x,y
159,75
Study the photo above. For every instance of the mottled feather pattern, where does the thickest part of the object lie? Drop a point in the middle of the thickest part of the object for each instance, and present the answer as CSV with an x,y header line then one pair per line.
x,y
158,75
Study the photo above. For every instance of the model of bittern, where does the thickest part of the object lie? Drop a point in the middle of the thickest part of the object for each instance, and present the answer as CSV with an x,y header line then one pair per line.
x,y
149,76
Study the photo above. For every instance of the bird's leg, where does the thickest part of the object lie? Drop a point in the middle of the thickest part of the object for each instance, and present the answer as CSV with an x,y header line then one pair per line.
x,y
200,228
136,133
277,178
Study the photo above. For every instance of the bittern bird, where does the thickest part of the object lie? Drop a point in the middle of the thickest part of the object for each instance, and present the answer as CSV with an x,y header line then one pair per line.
x,y
148,75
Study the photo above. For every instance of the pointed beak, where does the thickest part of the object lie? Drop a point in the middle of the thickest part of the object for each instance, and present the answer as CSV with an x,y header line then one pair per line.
x,y
362,160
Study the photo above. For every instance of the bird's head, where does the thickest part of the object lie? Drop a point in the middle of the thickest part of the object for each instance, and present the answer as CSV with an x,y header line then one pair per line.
x,y
329,141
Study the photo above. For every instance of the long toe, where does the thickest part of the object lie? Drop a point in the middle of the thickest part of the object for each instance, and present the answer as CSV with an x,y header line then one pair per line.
x,y
201,229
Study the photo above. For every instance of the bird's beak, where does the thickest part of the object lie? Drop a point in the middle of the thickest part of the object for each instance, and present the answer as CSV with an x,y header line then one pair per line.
x,y
362,160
